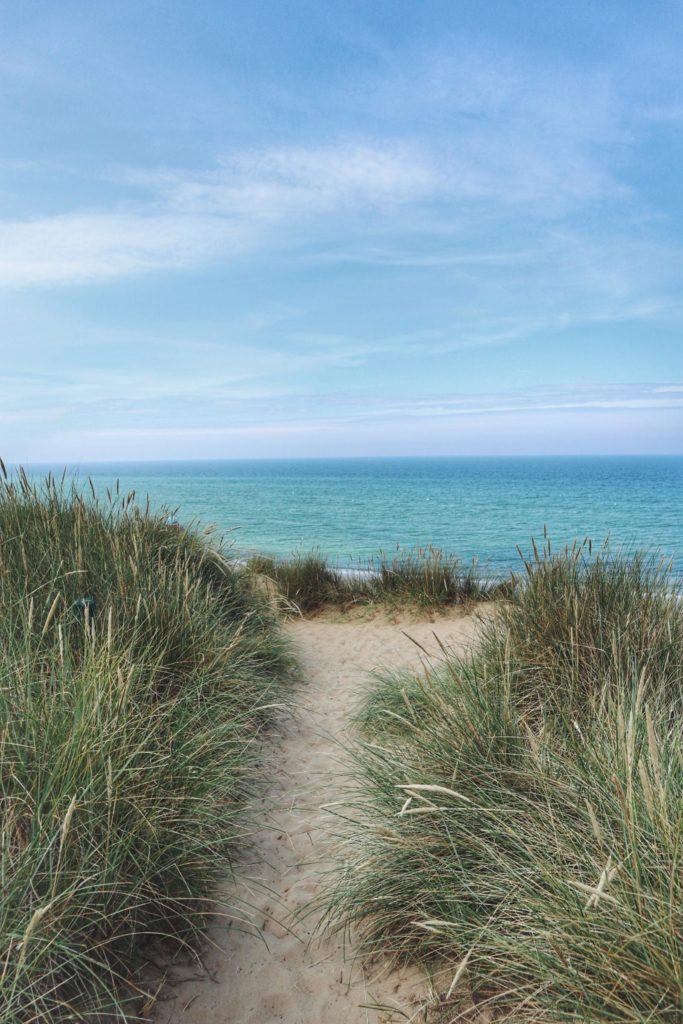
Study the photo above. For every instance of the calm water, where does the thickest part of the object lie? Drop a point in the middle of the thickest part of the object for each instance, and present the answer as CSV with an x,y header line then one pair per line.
x,y
477,507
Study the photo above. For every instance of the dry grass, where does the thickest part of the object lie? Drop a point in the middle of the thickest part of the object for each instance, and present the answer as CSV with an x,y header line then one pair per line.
x,y
128,728
517,817
425,578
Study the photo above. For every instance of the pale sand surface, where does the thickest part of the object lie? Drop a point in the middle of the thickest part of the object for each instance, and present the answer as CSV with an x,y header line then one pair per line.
x,y
271,965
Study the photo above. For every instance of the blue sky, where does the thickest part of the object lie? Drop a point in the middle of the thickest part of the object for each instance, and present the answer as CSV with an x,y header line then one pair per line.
x,y
343,227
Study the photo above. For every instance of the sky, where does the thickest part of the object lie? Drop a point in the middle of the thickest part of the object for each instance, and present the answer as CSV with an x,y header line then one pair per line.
x,y
282,228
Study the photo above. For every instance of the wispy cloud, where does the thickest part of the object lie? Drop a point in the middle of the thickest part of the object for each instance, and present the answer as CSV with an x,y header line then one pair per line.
x,y
374,229
188,219
535,400
503,158
526,420
220,399
91,246
269,183
311,203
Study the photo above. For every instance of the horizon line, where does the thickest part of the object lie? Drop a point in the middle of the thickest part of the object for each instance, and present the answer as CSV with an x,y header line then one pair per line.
x,y
341,458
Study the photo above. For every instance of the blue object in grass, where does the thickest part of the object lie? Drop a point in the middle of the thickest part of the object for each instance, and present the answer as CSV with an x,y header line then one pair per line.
x,y
83,604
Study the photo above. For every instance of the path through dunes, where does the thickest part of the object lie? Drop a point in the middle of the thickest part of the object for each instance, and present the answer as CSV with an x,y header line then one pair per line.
x,y
271,967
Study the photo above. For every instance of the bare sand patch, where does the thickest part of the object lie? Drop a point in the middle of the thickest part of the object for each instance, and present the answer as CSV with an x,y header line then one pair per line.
x,y
265,962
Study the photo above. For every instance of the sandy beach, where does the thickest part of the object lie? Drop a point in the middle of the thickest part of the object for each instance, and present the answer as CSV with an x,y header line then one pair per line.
x,y
265,960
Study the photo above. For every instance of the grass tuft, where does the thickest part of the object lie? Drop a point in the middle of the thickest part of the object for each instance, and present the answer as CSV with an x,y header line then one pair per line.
x,y
426,578
305,581
580,622
517,815
137,666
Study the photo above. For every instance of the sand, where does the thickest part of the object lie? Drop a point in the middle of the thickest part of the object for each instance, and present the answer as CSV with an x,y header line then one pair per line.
x,y
265,961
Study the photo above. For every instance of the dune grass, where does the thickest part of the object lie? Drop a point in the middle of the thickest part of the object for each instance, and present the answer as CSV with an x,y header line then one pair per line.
x,y
582,620
128,735
305,581
423,578
517,817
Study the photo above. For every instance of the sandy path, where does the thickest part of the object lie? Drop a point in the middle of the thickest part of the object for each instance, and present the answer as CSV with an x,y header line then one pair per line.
x,y
269,966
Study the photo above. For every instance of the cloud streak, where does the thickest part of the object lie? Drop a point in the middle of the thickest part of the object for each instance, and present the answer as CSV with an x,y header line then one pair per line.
x,y
268,396
360,233
190,219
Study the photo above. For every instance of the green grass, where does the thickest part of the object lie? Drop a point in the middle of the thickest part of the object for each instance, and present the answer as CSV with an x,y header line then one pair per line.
x,y
128,739
517,816
306,582
580,621
427,578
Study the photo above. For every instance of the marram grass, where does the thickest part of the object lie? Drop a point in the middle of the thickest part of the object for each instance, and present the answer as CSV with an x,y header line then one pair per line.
x,y
128,741
427,578
580,621
516,820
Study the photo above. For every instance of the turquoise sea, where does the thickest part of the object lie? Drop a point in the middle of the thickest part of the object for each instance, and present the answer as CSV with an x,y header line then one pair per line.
x,y
477,507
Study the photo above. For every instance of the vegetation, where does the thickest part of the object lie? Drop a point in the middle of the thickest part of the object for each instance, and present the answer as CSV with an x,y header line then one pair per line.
x,y
517,818
426,578
306,582
137,668
518,814
584,621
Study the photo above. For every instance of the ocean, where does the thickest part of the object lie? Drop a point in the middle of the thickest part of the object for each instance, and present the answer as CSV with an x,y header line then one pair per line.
x,y
483,508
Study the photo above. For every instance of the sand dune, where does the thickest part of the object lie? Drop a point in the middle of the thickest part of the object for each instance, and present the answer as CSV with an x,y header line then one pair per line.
x,y
266,963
